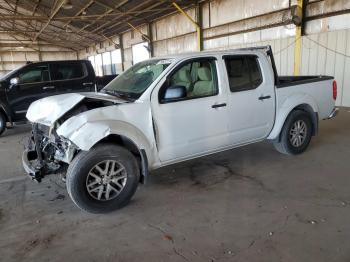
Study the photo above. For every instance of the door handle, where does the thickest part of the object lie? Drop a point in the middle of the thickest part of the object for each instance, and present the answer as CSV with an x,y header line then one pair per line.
x,y
264,97
90,83
48,87
218,105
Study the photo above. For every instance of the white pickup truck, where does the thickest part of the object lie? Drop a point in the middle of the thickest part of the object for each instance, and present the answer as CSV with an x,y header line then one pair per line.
x,y
167,110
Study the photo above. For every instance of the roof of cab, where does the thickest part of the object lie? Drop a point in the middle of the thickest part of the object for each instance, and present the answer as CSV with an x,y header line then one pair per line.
x,y
252,50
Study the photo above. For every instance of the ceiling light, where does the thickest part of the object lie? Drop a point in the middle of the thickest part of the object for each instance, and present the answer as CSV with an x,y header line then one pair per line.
x,y
67,5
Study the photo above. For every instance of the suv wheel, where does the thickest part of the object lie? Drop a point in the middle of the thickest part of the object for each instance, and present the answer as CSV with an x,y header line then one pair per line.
x,y
2,123
103,179
296,134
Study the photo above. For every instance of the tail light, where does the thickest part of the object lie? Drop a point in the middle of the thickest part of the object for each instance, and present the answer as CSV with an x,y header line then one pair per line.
x,y
335,90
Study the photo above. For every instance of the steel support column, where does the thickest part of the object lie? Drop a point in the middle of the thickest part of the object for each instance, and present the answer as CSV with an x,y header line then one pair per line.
x,y
146,37
121,46
197,25
298,34
150,36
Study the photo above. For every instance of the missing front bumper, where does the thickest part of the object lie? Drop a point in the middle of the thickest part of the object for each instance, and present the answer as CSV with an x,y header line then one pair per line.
x,y
32,165
37,169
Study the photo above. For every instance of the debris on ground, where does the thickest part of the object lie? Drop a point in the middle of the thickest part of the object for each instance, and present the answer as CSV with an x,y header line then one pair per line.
x,y
168,237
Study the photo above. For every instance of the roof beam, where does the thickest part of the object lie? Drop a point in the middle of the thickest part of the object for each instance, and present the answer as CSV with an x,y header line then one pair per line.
x,y
24,28
136,7
9,4
73,45
132,9
50,18
95,21
79,12
111,10
36,7
115,31
15,13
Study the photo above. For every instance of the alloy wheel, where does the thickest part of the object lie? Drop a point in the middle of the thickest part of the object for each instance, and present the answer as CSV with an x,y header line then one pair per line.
x,y
298,133
106,180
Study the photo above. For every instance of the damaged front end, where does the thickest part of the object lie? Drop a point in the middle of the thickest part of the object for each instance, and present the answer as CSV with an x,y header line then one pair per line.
x,y
46,153
49,151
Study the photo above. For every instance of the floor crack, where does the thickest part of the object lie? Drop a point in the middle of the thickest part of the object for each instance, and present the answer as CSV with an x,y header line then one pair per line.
x,y
168,237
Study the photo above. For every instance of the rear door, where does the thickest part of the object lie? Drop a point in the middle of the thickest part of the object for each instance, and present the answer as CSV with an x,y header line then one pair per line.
x,y
71,77
251,100
33,83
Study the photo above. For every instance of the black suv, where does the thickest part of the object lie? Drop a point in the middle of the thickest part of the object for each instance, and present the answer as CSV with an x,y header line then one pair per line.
x,y
21,87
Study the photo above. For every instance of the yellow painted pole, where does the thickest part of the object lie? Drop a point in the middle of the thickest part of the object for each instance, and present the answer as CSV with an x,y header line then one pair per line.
x,y
138,30
198,28
298,32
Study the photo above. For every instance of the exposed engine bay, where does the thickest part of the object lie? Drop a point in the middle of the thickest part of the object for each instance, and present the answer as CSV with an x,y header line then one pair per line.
x,y
47,152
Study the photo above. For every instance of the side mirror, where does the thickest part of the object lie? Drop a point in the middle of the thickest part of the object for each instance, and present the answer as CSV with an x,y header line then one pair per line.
x,y
14,81
174,93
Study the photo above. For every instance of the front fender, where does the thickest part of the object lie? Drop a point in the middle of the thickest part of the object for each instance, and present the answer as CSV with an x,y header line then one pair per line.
x,y
287,106
90,133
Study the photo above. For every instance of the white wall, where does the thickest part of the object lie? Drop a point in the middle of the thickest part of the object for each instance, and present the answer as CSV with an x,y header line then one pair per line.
x,y
12,58
327,52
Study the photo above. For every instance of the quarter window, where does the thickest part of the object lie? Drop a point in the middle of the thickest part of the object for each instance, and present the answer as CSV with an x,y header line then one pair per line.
x,y
243,73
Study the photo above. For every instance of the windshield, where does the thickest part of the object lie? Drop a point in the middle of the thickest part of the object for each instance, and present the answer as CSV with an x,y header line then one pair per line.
x,y
134,81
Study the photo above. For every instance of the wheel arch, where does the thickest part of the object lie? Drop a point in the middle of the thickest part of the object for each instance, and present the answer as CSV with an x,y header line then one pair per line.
x,y
140,154
93,133
313,115
308,105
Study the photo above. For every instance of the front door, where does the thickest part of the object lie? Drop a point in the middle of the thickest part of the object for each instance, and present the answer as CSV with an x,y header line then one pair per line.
x,y
33,83
197,123
251,100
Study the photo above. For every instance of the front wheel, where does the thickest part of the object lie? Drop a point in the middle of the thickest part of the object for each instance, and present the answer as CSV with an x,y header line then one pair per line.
x,y
103,179
296,134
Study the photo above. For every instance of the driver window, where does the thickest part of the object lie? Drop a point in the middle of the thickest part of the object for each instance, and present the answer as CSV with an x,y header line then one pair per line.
x,y
198,77
34,75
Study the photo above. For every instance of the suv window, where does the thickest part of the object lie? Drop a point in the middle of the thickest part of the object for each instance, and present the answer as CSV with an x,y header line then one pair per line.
x,y
243,72
199,77
34,75
66,71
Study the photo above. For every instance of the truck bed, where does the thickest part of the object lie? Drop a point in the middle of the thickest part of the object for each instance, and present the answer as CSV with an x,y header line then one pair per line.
x,y
284,81
313,88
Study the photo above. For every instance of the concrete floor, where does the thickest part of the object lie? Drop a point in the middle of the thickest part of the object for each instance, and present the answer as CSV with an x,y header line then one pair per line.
x,y
247,204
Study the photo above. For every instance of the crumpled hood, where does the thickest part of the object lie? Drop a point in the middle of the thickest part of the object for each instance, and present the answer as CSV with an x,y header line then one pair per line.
x,y
48,110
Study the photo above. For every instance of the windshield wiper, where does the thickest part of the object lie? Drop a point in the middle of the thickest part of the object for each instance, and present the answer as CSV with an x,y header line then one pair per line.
x,y
121,95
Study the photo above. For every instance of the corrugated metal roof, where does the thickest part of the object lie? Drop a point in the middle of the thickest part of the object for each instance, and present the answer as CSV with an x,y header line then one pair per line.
x,y
86,23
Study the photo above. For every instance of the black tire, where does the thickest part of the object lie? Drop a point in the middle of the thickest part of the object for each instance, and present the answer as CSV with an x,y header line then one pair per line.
x,y
2,123
285,145
84,162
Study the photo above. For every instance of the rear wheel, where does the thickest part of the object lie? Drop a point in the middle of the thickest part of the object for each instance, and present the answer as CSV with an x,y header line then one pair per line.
x,y
2,123
103,179
296,134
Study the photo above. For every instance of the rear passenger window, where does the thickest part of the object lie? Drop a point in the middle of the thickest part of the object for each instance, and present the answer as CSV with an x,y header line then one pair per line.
x,y
243,73
67,71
